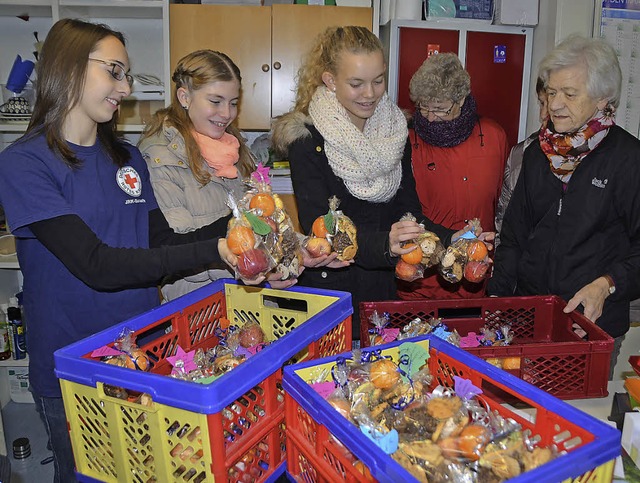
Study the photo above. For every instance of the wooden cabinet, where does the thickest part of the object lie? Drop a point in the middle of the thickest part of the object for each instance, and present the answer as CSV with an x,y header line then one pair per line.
x,y
266,43
498,59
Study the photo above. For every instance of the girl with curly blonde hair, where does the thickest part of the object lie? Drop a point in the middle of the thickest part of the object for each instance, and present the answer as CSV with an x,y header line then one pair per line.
x,y
346,138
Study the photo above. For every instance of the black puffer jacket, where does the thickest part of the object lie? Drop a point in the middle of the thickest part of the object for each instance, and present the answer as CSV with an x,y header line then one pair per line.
x,y
556,241
372,276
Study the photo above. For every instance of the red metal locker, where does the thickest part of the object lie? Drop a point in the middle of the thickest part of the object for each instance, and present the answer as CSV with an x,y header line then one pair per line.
x,y
497,86
414,45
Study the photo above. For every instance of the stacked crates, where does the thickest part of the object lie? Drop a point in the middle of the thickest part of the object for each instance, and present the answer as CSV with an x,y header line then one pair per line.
x,y
231,429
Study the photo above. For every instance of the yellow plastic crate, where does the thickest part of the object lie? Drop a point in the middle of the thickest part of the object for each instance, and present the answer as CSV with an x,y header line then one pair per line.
x,y
229,430
322,446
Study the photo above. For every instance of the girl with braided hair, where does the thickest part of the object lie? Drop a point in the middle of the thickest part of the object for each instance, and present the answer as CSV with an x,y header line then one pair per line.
x,y
196,154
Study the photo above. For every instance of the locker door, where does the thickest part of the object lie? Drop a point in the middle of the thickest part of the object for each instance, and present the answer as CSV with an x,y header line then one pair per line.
x,y
497,86
414,45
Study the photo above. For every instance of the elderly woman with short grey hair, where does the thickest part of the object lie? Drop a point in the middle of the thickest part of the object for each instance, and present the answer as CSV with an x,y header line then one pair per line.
x,y
458,161
572,227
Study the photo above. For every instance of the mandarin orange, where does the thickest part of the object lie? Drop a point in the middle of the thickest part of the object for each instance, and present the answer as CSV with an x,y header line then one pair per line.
x,y
477,250
319,229
384,374
471,441
240,239
264,202
414,256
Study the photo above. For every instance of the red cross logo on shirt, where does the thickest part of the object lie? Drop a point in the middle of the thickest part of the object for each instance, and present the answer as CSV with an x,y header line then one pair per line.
x,y
129,181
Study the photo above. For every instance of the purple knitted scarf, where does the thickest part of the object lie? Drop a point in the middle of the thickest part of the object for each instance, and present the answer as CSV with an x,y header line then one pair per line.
x,y
446,134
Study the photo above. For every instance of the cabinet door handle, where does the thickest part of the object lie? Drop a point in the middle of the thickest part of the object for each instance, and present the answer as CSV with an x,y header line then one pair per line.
x,y
277,65
265,67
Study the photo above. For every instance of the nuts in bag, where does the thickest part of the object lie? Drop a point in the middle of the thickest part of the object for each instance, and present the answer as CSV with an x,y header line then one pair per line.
x,y
333,232
427,251
439,433
279,237
467,257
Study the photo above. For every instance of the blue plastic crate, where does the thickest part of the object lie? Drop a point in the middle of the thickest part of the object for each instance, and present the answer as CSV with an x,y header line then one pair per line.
x,y
238,417
313,455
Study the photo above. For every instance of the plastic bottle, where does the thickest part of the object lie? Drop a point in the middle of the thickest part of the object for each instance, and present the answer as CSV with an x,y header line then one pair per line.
x,y
5,347
16,329
5,310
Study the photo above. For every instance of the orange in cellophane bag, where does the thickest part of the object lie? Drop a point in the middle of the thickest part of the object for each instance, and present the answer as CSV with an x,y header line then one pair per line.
x,y
254,260
467,257
270,222
427,251
333,232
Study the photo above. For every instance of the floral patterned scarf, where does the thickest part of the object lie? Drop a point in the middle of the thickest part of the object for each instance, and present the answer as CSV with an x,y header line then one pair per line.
x,y
566,150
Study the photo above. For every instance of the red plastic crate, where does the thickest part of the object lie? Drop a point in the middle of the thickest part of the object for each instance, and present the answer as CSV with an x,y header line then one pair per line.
x,y
322,445
231,429
551,355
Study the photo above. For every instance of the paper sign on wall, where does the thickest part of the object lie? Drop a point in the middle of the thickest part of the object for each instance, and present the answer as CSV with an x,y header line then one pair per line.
x,y
432,49
499,54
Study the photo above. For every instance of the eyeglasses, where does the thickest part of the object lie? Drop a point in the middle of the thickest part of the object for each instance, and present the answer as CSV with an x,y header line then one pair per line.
x,y
117,71
439,112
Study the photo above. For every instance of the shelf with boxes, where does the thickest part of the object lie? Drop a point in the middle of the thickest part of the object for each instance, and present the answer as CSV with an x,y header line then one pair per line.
x,y
144,23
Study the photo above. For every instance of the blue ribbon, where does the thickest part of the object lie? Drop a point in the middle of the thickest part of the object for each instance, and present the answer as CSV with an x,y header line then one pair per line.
x,y
403,401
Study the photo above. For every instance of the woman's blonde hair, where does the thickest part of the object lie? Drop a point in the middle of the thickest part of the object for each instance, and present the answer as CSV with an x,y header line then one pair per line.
x,y
441,77
324,57
194,71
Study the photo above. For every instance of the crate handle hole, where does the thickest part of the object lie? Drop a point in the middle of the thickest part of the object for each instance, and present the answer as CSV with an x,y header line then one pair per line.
x,y
460,313
274,301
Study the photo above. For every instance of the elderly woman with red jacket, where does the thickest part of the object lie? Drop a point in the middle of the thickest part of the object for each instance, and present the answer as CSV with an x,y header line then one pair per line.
x,y
458,160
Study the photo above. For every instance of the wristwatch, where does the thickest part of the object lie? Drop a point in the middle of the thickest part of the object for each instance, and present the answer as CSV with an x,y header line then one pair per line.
x,y
612,285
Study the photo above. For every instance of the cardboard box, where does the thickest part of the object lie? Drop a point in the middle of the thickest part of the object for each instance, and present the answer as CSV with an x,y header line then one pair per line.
x,y
460,9
516,12
19,384
631,436
353,3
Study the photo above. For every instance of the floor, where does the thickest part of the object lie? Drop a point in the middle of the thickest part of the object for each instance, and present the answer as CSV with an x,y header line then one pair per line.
x,y
22,421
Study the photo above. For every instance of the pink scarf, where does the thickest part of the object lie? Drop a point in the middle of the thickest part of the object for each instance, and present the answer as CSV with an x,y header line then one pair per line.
x,y
220,154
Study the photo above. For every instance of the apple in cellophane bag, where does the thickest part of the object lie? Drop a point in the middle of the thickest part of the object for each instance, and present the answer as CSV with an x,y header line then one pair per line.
x,y
265,212
467,257
426,250
253,257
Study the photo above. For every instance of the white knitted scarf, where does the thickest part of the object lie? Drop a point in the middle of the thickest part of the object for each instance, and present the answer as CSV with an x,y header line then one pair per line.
x,y
369,162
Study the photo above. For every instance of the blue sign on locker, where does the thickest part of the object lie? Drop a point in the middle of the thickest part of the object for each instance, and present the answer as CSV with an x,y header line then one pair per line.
x,y
499,54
